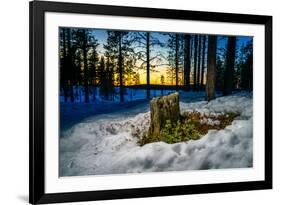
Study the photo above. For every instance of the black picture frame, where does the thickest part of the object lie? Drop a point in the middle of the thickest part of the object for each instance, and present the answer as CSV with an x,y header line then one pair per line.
x,y
37,194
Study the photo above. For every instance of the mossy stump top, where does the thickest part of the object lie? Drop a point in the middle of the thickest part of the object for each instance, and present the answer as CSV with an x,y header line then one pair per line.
x,y
162,109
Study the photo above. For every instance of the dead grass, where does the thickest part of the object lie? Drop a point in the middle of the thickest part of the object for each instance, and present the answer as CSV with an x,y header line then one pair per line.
x,y
196,118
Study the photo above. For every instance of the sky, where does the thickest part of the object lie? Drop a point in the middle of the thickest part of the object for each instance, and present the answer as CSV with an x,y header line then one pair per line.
x,y
101,36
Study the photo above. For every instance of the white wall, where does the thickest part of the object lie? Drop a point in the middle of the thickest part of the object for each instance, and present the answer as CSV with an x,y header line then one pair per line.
x,y
14,100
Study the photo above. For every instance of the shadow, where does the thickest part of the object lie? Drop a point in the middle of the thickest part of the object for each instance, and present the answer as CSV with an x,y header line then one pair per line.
x,y
23,198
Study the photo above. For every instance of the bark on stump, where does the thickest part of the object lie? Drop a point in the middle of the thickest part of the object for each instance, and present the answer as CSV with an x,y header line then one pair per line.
x,y
163,109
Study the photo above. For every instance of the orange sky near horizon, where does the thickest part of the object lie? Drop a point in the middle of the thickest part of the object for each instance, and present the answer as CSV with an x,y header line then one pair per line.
x,y
155,77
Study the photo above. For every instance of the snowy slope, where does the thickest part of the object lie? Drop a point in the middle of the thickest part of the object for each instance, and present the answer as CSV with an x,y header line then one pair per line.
x,y
73,113
107,144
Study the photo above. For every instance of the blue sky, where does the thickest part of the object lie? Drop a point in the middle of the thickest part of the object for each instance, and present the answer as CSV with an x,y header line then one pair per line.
x,y
101,36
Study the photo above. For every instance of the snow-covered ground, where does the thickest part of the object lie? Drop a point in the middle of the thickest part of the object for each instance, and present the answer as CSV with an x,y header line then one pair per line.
x,y
129,94
107,143
73,113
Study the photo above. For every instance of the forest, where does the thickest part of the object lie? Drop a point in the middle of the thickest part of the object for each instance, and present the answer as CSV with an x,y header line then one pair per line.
x,y
110,62
143,101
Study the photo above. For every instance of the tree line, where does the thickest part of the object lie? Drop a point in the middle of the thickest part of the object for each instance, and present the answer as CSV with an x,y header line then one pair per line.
x,y
192,62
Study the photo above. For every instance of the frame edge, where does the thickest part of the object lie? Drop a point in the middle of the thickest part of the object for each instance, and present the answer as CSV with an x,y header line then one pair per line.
x,y
36,117
268,102
36,102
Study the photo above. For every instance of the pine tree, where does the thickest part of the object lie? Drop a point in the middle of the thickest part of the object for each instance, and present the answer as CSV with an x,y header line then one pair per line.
x,y
211,65
174,56
103,79
187,61
63,67
219,74
246,66
82,44
85,64
93,61
147,64
120,65
119,47
146,41
177,58
203,62
195,61
110,78
229,67
198,61
162,81
69,64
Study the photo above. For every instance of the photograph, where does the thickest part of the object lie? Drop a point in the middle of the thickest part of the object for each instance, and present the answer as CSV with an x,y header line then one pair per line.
x,y
145,101
133,102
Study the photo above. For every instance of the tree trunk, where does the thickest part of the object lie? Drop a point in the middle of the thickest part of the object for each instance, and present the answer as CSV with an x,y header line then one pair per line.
x,y
120,67
70,66
64,70
211,71
86,71
162,109
198,61
203,62
93,79
250,64
147,65
195,62
187,61
177,60
229,68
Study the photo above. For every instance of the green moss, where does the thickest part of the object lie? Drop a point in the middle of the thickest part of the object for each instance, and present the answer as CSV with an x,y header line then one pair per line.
x,y
188,127
178,132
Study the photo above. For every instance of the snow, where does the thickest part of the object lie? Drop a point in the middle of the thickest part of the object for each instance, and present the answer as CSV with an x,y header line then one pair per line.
x,y
130,94
209,121
73,113
107,144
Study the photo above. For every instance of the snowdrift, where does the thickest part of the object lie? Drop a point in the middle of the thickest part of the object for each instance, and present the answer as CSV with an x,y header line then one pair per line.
x,y
107,144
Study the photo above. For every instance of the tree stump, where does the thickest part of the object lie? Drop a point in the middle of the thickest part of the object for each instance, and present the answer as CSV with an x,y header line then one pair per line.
x,y
162,109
